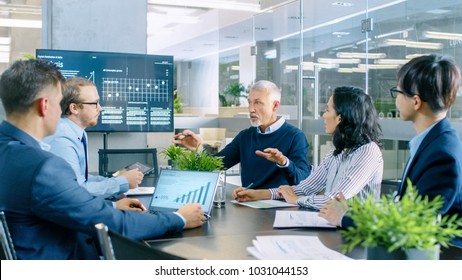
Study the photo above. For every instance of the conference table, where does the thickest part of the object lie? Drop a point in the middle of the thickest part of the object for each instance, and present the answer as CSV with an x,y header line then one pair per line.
x,y
231,229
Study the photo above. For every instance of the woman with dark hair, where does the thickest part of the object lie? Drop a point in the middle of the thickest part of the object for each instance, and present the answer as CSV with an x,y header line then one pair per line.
x,y
354,166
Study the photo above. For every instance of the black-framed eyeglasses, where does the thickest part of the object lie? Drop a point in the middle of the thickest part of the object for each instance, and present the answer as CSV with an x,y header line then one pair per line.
x,y
394,92
91,103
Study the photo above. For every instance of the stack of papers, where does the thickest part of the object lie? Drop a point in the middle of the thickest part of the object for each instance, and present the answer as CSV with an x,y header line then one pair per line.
x,y
296,219
265,203
292,247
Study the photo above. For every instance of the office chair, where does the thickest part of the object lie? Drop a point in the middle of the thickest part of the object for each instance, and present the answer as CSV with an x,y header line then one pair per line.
x,y
118,247
7,251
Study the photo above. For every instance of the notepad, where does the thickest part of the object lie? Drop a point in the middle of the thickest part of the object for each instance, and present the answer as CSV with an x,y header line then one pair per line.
x,y
297,219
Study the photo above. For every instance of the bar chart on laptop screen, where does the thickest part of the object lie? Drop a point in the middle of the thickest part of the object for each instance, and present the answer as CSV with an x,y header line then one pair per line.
x,y
176,188
196,196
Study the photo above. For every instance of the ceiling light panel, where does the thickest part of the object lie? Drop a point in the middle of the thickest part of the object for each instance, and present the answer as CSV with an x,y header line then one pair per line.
x,y
442,35
360,55
5,40
413,44
24,23
210,4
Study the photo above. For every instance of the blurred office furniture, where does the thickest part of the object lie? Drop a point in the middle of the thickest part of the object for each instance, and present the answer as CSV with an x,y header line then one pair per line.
x,y
115,246
212,138
111,160
7,251
390,187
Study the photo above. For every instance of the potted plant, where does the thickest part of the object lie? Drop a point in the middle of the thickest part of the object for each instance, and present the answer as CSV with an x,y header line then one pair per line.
x,y
231,95
410,228
184,159
177,105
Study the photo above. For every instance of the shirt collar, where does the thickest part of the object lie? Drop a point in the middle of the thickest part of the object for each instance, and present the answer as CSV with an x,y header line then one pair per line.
x,y
44,146
417,140
75,128
272,128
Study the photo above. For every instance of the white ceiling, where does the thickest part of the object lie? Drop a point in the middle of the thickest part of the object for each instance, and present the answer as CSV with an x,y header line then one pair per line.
x,y
190,32
219,30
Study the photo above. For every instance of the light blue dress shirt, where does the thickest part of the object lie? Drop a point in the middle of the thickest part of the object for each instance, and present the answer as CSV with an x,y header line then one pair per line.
x,y
414,145
67,143
272,128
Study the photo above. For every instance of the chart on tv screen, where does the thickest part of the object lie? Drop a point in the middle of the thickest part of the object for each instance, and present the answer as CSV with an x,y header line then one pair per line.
x,y
136,90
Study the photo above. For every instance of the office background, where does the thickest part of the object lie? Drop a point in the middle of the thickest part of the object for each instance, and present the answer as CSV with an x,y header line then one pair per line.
x,y
307,47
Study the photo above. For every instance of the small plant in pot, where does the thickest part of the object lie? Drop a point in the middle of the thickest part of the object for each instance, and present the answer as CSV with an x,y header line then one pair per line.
x,y
184,159
410,228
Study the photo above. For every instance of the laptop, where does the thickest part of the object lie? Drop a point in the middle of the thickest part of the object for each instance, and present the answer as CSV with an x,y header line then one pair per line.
x,y
175,188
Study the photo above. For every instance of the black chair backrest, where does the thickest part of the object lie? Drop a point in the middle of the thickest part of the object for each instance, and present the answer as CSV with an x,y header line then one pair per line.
x,y
118,247
7,251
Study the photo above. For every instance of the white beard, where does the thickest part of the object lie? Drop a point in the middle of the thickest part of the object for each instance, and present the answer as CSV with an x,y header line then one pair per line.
x,y
256,123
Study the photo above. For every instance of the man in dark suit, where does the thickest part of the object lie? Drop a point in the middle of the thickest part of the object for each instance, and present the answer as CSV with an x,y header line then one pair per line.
x,y
427,87
45,208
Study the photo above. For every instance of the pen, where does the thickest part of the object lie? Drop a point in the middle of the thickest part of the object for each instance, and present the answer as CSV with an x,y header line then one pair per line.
x,y
248,187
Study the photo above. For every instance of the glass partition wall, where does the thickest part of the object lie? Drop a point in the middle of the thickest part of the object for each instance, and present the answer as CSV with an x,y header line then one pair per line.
x,y
310,47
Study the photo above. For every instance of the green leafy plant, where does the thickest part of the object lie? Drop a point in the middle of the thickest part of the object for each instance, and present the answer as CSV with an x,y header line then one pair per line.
x,y
28,56
231,94
177,105
184,159
410,223
172,152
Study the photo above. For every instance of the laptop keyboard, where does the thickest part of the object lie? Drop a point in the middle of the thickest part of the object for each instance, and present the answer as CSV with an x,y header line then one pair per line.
x,y
152,212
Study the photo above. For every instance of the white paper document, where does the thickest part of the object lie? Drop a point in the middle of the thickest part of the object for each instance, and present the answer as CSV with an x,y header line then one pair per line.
x,y
292,247
268,203
294,219
140,191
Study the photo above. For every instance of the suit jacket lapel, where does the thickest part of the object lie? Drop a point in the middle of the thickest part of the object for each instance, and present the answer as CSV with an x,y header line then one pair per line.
x,y
436,131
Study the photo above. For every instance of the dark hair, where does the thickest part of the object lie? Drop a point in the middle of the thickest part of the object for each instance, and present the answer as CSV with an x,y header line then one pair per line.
x,y
21,83
71,93
434,78
359,123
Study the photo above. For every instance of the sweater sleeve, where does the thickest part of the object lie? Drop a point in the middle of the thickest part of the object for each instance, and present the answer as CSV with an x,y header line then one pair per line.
x,y
298,168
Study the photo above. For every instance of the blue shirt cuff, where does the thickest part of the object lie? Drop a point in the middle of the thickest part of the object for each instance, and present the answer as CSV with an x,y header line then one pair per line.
x,y
285,165
182,218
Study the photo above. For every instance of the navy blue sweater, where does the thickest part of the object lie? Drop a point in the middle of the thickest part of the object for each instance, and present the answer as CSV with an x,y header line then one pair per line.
x,y
261,172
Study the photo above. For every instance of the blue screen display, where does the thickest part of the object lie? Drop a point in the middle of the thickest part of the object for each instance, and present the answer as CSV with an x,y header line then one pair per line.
x,y
136,90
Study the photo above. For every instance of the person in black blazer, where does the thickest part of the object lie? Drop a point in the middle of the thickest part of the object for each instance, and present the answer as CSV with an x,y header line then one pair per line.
x,y
46,210
427,87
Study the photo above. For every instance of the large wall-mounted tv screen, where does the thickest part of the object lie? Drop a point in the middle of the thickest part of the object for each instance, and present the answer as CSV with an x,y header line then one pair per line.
x,y
136,90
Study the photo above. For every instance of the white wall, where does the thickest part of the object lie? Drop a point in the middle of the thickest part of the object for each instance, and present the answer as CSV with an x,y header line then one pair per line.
x,y
98,25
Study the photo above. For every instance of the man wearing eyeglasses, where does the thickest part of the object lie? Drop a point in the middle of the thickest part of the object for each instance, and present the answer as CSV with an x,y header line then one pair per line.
x,y
80,109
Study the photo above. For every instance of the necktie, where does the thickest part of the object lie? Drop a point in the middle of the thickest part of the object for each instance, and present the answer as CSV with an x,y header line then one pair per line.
x,y
84,142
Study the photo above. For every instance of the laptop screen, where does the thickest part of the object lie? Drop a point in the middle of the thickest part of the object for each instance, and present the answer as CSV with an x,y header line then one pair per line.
x,y
175,188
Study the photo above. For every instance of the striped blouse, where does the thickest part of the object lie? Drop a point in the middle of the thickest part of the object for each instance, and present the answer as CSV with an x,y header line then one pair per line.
x,y
356,173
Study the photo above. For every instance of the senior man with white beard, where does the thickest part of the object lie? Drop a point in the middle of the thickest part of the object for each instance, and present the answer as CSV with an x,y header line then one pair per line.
x,y
271,152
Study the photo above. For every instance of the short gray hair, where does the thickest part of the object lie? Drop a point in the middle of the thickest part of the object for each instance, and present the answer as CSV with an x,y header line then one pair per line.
x,y
270,87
